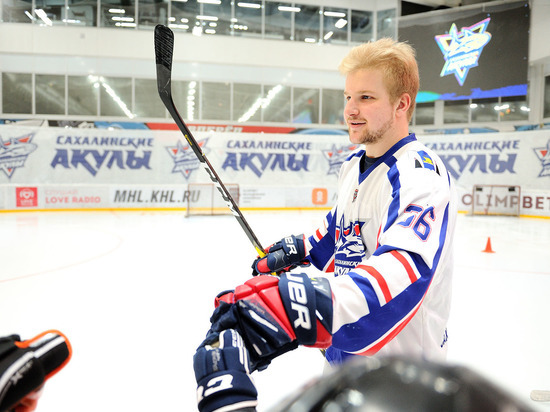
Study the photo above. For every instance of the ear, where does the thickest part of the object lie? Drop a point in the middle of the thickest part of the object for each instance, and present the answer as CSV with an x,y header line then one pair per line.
x,y
403,105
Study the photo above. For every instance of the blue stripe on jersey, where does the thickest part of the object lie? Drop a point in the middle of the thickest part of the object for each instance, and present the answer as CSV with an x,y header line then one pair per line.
x,y
393,209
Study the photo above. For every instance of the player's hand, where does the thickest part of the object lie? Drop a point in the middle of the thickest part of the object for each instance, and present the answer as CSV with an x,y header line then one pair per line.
x,y
282,256
26,365
276,314
222,371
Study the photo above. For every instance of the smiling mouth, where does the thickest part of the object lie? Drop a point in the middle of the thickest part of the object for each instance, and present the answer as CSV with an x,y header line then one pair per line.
x,y
356,123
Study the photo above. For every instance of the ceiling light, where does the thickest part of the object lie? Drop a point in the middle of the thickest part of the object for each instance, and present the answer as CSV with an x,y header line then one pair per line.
x,y
210,31
209,18
334,14
42,14
249,5
115,11
288,8
328,35
217,2
340,23
309,40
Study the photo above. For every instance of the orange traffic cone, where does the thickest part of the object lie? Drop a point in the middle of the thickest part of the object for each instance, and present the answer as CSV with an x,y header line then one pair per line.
x,y
488,248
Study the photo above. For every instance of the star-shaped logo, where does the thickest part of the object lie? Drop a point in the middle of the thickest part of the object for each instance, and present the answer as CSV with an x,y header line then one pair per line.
x,y
184,158
462,49
336,156
543,153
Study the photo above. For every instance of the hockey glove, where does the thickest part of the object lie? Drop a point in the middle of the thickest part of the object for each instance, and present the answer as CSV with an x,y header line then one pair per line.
x,y
274,315
222,371
26,365
282,256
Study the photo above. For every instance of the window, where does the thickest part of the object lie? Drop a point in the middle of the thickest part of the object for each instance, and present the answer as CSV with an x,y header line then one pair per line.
x,y
183,16
247,102
277,104
81,13
83,95
216,101
115,96
456,111
186,98
424,113
17,12
483,110
50,94
307,23
118,14
49,12
306,106
333,107
278,20
151,13
248,15
147,103
17,93
335,25
361,26
513,108
386,24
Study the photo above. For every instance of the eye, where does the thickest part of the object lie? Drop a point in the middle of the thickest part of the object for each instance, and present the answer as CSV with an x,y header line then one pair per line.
x,y
365,97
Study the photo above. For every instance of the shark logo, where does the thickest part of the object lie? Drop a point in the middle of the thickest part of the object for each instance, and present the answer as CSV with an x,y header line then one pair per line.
x,y
543,153
349,248
336,156
462,49
14,152
184,158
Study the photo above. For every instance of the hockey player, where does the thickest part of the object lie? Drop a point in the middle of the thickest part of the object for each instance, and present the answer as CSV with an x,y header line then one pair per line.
x,y
387,244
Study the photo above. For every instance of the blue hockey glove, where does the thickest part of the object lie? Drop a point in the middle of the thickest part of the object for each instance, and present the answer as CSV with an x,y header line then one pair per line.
x,y
282,256
274,315
26,365
222,371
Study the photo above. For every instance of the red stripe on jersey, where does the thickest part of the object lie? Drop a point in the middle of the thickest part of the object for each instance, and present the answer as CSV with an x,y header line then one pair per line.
x,y
330,267
371,350
380,279
406,265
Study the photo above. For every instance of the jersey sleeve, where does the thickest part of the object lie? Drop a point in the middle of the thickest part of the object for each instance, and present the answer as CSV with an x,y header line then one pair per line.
x,y
321,244
378,298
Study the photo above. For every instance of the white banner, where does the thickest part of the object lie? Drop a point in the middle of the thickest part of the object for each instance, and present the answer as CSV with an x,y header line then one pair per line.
x,y
57,168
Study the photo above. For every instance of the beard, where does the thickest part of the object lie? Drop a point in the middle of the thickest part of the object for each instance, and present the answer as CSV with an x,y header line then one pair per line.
x,y
373,136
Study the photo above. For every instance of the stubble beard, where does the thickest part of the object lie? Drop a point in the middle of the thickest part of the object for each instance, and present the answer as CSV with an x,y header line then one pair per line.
x,y
370,137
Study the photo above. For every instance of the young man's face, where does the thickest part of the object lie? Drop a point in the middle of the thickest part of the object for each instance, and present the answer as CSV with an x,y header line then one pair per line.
x,y
369,114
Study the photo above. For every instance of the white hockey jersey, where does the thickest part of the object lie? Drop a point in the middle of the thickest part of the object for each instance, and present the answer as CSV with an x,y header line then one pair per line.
x,y
388,241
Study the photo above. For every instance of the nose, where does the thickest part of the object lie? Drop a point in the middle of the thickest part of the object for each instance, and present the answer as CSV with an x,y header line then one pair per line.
x,y
350,109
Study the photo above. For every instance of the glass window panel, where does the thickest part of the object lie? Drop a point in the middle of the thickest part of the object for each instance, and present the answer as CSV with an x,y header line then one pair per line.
x,y
17,11
307,23
50,94
118,13
115,96
547,96
17,93
186,98
83,95
146,102
247,102
513,108
278,20
152,12
49,12
361,26
216,101
456,111
249,18
277,107
425,113
335,25
387,22
333,107
184,16
222,12
81,13
483,110
306,105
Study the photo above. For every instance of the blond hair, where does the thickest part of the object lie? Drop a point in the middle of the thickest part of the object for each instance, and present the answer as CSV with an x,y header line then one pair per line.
x,y
396,60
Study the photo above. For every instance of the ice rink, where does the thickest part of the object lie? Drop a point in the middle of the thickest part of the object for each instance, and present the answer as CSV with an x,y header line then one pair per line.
x,y
133,291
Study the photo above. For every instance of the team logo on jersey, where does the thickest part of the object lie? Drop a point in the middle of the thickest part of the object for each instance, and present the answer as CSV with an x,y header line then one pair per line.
x,y
349,248
462,49
336,156
185,160
543,153
14,153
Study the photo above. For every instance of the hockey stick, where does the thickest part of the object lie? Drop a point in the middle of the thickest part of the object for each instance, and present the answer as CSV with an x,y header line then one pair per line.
x,y
540,395
164,48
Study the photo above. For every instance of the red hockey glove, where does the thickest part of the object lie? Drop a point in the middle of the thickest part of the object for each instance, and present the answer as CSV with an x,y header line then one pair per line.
x,y
26,365
274,315
282,256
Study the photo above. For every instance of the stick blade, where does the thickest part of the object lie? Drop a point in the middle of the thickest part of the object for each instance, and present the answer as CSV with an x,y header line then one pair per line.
x,y
164,46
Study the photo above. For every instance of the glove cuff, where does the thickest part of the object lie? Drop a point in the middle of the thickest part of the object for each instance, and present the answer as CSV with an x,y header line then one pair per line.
x,y
227,391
